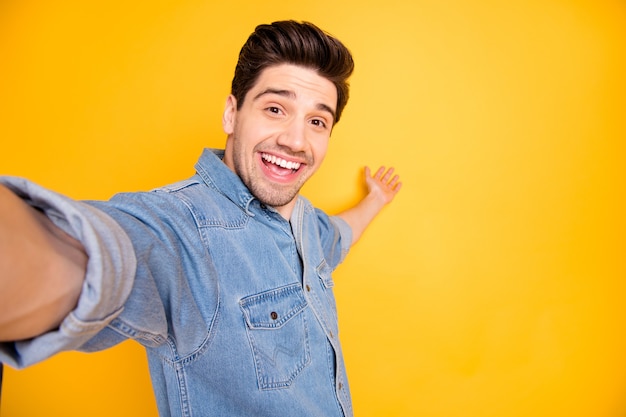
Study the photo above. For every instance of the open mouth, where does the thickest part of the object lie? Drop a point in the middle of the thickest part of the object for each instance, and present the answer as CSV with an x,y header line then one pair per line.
x,y
280,164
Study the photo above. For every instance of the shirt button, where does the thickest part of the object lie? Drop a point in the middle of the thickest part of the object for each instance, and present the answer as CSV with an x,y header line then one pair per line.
x,y
274,315
308,288
332,336
340,386
263,206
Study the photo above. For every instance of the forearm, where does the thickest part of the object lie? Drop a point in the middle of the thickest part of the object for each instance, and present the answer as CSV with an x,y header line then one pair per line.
x,y
361,215
382,188
42,270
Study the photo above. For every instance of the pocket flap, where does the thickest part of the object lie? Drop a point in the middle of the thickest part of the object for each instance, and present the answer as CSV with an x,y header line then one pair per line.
x,y
272,309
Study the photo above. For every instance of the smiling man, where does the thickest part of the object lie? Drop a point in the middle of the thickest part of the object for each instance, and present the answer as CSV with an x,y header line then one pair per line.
x,y
225,277
278,137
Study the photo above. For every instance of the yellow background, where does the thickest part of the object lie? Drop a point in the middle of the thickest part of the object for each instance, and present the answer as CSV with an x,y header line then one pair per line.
x,y
495,283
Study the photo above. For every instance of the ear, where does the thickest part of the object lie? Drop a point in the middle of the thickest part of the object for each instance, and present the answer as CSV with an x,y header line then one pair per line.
x,y
230,112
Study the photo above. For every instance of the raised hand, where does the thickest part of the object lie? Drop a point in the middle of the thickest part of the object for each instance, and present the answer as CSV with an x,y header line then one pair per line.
x,y
383,185
382,188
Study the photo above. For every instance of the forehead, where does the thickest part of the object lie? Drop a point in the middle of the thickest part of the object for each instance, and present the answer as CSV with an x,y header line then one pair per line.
x,y
299,83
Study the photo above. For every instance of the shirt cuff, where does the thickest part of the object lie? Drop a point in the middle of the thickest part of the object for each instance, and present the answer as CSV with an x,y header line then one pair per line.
x,y
108,281
346,235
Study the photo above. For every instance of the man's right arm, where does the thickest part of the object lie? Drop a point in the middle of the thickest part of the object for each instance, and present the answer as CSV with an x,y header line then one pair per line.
x,y
41,270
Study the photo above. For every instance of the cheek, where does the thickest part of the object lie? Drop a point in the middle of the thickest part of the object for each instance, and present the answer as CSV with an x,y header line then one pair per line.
x,y
319,150
251,134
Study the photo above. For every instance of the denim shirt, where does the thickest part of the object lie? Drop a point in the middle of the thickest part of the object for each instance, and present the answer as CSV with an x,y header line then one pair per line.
x,y
233,303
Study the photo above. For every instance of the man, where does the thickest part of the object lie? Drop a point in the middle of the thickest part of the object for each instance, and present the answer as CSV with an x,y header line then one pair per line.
x,y
225,278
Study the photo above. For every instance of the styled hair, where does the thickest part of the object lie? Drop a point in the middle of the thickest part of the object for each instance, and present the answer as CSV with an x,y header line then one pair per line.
x,y
298,43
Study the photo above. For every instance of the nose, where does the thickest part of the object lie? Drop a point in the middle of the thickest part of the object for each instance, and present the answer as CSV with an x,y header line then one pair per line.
x,y
293,136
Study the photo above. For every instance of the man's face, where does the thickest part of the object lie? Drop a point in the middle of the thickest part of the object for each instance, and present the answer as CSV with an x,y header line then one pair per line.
x,y
279,137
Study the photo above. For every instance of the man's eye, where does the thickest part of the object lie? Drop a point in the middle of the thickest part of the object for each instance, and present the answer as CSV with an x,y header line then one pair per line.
x,y
318,122
274,110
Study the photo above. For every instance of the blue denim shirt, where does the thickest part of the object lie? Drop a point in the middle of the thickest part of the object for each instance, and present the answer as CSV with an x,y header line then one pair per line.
x,y
233,303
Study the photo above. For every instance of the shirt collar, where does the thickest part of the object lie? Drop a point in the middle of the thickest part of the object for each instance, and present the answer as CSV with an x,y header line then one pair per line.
x,y
216,174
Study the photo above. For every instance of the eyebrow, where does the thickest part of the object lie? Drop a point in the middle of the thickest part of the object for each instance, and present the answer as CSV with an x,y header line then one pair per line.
x,y
292,95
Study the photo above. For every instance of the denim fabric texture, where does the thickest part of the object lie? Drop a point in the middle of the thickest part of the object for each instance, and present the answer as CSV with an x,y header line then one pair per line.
x,y
233,303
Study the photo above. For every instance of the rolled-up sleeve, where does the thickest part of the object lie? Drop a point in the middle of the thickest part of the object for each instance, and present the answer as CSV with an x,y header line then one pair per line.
x,y
108,281
336,237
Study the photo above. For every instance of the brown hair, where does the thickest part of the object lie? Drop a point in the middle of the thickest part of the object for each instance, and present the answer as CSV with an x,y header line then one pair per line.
x,y
297,43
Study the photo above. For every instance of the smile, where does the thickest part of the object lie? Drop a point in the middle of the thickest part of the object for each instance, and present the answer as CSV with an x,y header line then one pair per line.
x,y
273,159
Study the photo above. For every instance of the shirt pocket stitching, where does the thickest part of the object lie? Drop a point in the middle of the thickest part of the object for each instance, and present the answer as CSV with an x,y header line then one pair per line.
x,y
278,335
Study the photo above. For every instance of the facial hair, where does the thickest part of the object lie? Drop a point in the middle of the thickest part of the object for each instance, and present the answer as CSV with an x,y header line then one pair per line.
x,y
267,192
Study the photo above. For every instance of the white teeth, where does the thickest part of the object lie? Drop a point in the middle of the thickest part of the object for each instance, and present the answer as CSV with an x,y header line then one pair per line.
x,y
281,162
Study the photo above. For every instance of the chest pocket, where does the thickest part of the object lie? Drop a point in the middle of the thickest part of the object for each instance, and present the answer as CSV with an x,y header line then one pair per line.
x,y
278,335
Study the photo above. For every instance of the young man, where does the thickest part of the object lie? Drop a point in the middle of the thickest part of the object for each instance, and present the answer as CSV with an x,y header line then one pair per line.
x,y
225,278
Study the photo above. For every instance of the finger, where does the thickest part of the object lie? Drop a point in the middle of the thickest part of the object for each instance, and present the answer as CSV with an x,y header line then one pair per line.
x,y
388,174
394,180
379,173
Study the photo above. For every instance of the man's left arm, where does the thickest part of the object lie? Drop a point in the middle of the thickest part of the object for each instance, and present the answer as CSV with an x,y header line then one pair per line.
x,y
382,188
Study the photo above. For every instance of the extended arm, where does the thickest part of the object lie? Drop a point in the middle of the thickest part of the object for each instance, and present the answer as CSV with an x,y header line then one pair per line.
x,y
382,188
41,270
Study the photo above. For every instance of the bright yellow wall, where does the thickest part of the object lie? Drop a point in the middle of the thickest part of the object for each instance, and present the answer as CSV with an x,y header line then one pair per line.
x,y
495,284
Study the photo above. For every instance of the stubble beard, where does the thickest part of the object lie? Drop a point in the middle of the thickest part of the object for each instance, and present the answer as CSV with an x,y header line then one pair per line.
x,y
268,193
